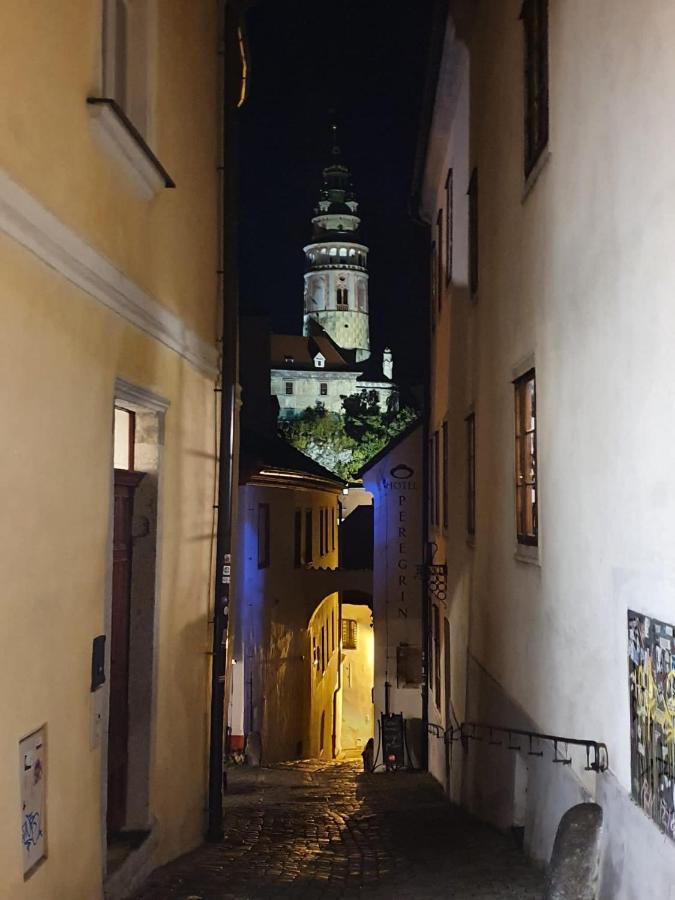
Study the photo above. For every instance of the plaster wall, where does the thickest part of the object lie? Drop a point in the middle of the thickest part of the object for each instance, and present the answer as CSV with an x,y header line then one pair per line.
x,y
61,356
564,260
325,700
272,617
397,588
51,64
357,678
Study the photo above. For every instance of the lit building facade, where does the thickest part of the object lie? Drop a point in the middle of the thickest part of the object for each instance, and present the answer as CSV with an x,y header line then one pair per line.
x,y
332,359
552,511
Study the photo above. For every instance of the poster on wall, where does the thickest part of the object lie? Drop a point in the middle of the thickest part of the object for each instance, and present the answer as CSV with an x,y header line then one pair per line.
x,y
32,759
651,668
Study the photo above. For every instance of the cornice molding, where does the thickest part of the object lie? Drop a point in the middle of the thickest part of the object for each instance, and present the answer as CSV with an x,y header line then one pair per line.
x,y
30,224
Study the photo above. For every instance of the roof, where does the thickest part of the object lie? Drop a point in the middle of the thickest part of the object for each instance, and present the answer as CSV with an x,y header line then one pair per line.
x,y
293,351
394,442
271,459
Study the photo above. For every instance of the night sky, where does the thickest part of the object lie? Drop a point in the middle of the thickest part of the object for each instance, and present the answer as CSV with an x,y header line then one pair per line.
x,y
365,61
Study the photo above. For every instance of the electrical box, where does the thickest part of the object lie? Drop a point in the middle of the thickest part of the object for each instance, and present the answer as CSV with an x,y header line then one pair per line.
x,y
98,662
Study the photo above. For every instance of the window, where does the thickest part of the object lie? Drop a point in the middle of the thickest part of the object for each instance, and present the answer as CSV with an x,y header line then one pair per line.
x,y
323,389
124,438
289,388
343,297
332,631
473,233
534,15
332,528
445,474
526,459
437,486
322,545
436,628
309,556
439,257
434,282
126,52
470,422
263,535
433,479
449,200
319,361
349,634
323,648
297,538
343,251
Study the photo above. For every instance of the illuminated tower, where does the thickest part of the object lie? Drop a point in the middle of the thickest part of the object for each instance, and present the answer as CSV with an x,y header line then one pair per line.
x,y
336,273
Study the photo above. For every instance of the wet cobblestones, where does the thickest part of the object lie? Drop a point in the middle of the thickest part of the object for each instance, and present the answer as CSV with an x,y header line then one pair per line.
x,y
325,830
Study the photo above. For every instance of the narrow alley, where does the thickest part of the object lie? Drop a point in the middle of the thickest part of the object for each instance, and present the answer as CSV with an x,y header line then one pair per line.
x,y
314,829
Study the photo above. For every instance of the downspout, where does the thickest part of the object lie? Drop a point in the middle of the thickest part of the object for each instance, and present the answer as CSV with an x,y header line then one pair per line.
x,y
232,72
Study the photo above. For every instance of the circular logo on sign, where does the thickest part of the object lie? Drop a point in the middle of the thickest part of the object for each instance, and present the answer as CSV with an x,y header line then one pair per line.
x,y
402,472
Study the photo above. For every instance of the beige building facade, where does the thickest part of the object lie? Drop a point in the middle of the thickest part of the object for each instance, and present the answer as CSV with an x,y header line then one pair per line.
x,y
109,315
550,475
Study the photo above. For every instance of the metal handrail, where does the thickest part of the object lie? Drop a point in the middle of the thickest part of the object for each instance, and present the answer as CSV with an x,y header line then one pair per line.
x,y
597,755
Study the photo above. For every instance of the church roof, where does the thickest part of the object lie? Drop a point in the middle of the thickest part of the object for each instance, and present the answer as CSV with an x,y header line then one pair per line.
x,y
293,351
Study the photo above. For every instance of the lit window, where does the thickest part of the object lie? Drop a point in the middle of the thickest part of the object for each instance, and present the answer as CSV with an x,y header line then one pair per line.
x,y
332,251
343,251
123,440
352,252
349,634
526,459
323,389
289,388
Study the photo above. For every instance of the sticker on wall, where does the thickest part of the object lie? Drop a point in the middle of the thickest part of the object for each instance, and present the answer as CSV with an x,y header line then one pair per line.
x,y
651,668
32,772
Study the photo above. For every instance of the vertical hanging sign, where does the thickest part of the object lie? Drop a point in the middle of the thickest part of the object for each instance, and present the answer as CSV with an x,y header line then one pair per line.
x,y
32,770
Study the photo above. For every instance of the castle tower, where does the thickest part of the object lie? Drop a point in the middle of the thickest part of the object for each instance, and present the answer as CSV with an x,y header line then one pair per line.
x,y
336,274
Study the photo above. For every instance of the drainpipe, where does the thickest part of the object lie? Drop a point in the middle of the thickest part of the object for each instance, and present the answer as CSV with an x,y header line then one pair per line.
x,y
232,71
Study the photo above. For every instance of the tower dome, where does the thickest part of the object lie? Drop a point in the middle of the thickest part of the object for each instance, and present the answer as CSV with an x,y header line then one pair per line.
x,y
336,273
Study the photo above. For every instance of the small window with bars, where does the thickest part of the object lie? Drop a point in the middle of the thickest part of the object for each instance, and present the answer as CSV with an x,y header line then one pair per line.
x,y
349,634
526,459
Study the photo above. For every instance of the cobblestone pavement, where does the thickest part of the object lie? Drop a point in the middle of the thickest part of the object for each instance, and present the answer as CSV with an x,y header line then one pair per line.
x,y
325,830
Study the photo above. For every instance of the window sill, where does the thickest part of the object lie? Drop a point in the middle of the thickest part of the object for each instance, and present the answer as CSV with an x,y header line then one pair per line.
x,y
126,146
537,169
526,553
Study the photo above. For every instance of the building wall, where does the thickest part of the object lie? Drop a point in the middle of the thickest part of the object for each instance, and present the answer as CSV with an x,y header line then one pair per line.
x,y
307,390
272,637
357,678
63,348
325,707
396,482
562,260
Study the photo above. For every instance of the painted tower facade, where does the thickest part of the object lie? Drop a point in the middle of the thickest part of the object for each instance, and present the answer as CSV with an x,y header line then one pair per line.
x,y
336,270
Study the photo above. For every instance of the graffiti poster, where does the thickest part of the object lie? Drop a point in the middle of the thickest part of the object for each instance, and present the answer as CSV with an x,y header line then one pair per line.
x,y
651,667
32,774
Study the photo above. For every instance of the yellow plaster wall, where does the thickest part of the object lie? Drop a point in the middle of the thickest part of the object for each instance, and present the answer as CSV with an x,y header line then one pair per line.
x,y
324,684
50,64
61,354
357,681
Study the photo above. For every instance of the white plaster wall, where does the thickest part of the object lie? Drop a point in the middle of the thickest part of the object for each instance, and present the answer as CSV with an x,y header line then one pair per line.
x,y
307,390
577,273
397,589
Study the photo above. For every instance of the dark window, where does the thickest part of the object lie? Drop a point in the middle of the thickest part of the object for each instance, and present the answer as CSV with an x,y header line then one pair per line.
x,y
342,296
433,275
434,487
349,634
449,200
430,498
289,387
471,474
323,389
526,458
321,546
447,671
437,486
445,474
473,232
323,648
308,537
332,528
297,538
437,655
263,535
439,257
535,25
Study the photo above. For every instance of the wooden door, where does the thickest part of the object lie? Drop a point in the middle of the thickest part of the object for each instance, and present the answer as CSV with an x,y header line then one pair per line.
x,y
118,723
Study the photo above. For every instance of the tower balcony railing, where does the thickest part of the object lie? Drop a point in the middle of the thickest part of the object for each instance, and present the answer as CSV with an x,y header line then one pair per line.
x,y
333,263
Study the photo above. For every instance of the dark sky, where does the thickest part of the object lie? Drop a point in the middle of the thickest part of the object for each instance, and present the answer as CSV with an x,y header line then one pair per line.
x,y
365,59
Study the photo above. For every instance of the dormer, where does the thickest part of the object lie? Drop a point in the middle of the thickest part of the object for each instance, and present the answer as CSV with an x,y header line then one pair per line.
x,y
319,361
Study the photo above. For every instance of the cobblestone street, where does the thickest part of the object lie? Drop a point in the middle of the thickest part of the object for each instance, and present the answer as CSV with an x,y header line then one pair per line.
x,y
313,829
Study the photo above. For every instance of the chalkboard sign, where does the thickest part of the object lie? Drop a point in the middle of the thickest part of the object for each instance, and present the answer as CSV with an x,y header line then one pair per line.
x,y
392,740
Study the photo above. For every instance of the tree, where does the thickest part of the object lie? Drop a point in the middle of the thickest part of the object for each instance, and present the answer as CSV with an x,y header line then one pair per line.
x,y
345,442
